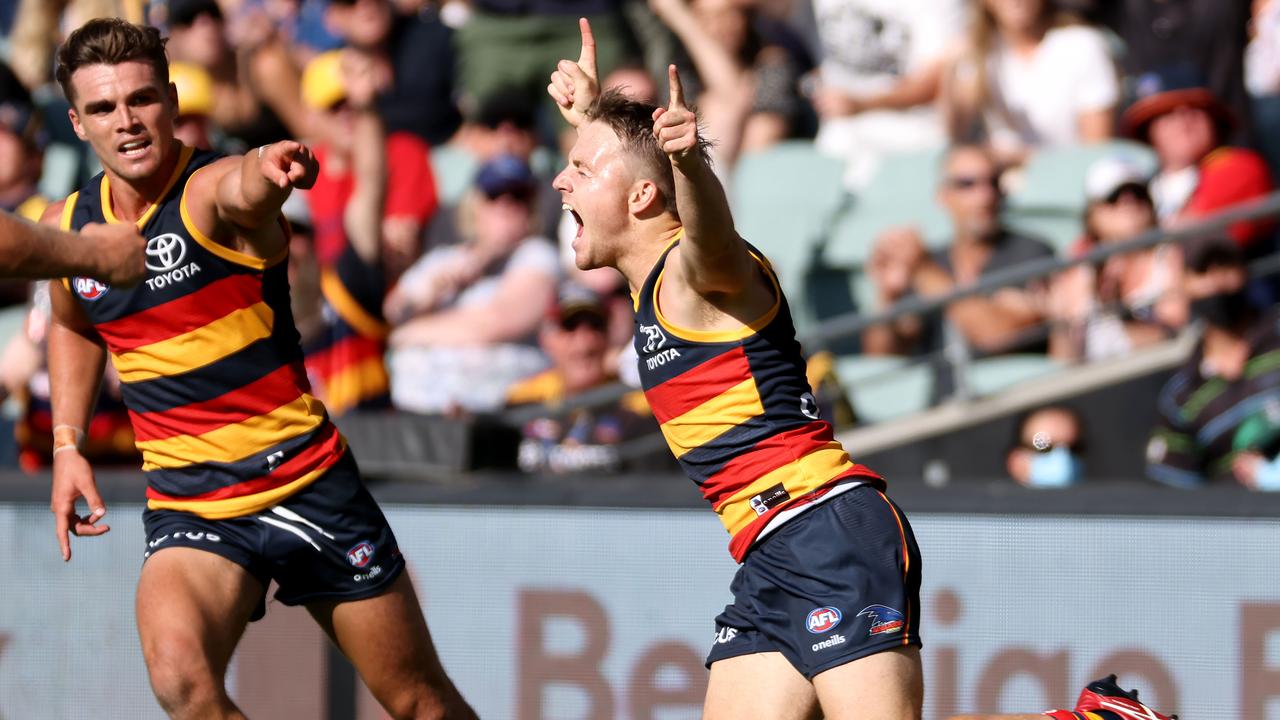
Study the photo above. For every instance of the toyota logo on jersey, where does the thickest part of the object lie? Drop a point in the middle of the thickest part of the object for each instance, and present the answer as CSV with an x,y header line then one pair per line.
x,y
361,554
88,288
164,252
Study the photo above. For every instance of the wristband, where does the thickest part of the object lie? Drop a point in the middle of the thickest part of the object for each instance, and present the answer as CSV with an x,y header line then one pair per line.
x,y
59,448
60,432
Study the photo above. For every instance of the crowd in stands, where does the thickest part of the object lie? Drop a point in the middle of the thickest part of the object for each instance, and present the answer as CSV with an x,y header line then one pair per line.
x,y
430,265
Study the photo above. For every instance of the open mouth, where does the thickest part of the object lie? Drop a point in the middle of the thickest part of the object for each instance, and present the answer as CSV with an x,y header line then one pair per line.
x,y
576,218
134,148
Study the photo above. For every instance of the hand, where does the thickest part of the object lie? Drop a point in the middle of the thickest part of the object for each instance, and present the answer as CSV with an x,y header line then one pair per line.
x,y
119,252
832,103
288,163
574,86
73,479
897,253
675,126
361,78
1245,467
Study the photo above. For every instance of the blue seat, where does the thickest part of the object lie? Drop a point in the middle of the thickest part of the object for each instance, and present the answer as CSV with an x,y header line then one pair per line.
x,y
453,168
884,387
990,375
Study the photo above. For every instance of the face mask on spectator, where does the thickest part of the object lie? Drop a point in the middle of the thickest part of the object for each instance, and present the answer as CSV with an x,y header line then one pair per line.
x,y
1057,468
1224,311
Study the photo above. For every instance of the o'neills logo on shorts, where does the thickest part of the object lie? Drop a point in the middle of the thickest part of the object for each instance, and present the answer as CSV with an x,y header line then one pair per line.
x,y
770,499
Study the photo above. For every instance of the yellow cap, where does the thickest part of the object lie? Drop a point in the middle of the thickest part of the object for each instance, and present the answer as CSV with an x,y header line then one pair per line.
x,y
322,81
195,88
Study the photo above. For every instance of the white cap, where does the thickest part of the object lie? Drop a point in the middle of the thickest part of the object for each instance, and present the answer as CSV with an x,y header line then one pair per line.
x,y
1109,174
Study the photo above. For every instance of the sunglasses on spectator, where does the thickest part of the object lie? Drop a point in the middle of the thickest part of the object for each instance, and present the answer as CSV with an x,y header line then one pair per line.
x,y
589,319
969,182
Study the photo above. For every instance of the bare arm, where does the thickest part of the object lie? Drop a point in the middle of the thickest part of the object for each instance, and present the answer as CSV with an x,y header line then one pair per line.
x,y
276,83
236,200
1096,125
513,313
713,257
362,217
987,323
76,360
113,253
918,88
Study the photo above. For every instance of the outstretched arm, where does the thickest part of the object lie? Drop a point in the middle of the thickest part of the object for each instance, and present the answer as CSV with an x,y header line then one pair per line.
x,y
713,257
236,200
111,253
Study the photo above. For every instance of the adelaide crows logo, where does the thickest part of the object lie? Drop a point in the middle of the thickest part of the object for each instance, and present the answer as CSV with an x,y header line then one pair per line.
x,y
884,619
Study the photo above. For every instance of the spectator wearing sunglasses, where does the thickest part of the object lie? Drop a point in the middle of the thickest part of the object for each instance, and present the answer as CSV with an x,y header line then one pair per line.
x,y
1130,300
900,266
575,337
1048,449
469,314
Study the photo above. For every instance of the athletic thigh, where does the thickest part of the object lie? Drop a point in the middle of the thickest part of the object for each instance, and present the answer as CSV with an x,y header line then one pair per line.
x,y
888,685
386,638
759,686
192,608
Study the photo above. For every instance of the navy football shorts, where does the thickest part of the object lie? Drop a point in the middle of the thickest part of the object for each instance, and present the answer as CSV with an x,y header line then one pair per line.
x,y
839,582
328,541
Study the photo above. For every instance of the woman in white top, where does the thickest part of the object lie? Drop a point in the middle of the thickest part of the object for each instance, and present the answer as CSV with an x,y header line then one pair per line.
x,y
1030,76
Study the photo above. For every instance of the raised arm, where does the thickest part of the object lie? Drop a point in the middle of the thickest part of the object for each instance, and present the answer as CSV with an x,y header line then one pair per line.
x,y
713,259
362,217
113,253
236,200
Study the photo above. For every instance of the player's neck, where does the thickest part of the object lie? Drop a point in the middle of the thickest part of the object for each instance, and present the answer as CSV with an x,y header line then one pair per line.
x,y
131,198
644,249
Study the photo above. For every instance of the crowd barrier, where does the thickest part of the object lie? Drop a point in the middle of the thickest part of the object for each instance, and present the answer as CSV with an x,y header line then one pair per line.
x,y
598,603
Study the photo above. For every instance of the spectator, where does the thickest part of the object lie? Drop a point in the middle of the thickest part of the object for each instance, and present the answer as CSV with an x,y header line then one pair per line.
x,y
746,88
414,55
195,104
1209,35
900,266
879,77
1198,175
1048,449
508,47
410,185
1219,416
338,301
1133,299
1030,76
22,141
574,336
255,84
37,29
470,313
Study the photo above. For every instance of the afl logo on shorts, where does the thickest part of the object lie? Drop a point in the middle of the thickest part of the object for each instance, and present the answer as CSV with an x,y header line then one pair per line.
x,y
361,554
822,619
88,288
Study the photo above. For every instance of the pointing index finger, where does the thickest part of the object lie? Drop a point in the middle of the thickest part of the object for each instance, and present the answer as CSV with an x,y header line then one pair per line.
x,y
677,91
587,58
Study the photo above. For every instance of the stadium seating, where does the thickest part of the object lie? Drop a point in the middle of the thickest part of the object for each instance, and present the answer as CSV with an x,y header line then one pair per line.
x,y
883,387
990,375
453,168
1048,198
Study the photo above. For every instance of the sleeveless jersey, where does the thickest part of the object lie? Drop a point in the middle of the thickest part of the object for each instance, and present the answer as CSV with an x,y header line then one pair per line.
x,y
737,411
209,362
344,360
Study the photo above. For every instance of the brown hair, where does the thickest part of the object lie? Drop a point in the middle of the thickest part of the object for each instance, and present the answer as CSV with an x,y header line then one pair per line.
x,y
110,41
632,122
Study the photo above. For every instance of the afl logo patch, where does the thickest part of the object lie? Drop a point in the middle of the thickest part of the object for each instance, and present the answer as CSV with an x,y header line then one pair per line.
x,y
164,252
822,619
361,554
88,288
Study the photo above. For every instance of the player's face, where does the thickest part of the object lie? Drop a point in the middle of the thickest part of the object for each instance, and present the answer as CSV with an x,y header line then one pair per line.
x,y
126,115
594,189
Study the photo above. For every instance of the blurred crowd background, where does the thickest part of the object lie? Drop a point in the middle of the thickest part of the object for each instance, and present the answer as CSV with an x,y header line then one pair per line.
x,y
961,197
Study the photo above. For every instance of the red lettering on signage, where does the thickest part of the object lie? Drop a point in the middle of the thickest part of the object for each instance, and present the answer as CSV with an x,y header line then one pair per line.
x,y
539,668
1050,669
1258,681
647,695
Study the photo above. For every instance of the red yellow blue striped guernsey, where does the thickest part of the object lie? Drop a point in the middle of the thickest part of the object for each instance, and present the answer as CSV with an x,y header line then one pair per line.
x,y
737,411
209,362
